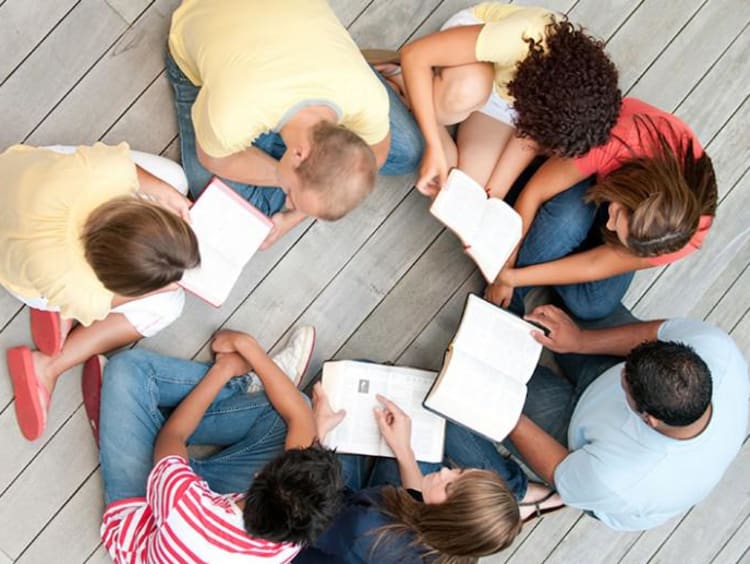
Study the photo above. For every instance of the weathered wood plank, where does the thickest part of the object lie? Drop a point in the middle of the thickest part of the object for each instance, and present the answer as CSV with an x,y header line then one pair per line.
x,y
101,556
692,53
545,536
632,47
129,10
46,484
738,547
728,312
55,67
148,125
113,83
412,303
386,25
70,536
591,541
21,29
602,22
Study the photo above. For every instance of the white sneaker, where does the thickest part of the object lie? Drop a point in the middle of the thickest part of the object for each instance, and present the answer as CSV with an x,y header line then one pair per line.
x,y
293,359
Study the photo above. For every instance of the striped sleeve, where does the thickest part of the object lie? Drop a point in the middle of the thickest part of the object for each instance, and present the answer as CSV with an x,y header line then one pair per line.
x,y
167,483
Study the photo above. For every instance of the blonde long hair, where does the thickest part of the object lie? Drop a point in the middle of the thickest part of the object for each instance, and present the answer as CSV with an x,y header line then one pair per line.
x,y
664,195
479,517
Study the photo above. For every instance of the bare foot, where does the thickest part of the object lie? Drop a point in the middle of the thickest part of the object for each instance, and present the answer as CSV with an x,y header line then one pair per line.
x,y
538,499
44,373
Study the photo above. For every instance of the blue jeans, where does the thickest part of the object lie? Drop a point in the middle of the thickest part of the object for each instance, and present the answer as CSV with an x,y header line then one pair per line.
x,y
404,156
565,225
550,402
141,387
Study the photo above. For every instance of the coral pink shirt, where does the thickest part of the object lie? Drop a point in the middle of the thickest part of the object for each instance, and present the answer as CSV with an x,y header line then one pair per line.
x,y
626,142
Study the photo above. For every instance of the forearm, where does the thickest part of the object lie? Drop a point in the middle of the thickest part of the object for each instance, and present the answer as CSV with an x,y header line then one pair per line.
x,y
408,469
419,82
588,266
282,394
538,449
188,414
251,166
618,341
516,156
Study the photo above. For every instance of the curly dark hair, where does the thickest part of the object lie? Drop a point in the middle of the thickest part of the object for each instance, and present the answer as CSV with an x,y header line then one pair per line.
x,y
295,496
566,96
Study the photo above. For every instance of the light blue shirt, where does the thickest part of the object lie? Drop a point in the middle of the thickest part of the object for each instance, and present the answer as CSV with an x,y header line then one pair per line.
x,y
632,477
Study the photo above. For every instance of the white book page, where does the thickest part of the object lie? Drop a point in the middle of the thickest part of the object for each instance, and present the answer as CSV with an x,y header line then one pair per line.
x,y
498,338
353,386
499,232
460,205
229,232
477,396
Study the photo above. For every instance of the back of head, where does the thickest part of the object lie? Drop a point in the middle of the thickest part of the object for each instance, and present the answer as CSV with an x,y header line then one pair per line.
x,y
136,247
664,194
295,496
669,381
340,169
479,517
566,97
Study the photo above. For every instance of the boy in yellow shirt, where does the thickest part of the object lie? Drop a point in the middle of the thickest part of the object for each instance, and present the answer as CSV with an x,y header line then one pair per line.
x,y
276,99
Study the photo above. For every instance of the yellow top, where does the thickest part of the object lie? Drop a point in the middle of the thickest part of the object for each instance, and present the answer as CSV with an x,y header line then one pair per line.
x,y
44,203
259,61
501,40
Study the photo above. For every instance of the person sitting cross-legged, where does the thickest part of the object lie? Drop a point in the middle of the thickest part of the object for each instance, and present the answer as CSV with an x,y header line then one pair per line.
x,y
276,99
637,442
163,506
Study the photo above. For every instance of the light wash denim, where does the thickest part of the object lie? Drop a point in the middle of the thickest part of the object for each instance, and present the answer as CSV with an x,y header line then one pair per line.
x,y
139,390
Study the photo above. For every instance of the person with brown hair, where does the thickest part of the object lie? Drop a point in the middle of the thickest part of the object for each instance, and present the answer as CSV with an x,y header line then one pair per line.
x,y
276,99
88,235
519,81
646,198
404,511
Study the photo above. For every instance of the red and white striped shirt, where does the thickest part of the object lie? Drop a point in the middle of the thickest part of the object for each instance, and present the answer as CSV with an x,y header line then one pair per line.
x,y
182,521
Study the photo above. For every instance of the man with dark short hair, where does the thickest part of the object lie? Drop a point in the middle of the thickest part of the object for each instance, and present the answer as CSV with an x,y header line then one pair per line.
x,y
633,443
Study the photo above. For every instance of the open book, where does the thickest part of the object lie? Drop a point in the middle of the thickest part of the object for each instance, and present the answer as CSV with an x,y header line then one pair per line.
x,y
352,386
483,381
488,227
229,231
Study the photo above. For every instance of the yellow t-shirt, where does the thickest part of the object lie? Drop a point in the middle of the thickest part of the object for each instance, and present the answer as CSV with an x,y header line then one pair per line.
x,y
45,200
259,61
501,40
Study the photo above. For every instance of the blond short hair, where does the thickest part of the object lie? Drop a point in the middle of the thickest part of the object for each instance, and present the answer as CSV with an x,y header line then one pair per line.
x,y
340,168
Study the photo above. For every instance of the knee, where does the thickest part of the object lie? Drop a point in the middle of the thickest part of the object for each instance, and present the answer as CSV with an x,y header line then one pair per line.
x,y
124,375
463,89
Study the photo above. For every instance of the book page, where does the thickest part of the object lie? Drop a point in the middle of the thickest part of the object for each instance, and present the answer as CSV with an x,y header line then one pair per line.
x,y
500,339
499,232
229,232
460,205
475,395
353,386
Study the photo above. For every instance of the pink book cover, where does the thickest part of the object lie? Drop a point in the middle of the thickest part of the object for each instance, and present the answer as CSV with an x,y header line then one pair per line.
x,y
228,236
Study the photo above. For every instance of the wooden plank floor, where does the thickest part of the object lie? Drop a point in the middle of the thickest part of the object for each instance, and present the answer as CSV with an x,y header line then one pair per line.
x,y
387,282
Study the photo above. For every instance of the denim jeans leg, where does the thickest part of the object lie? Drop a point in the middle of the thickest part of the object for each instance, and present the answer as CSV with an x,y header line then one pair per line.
x,y
560,226
268,200
263,434
355,470
407,141
597,299
469,450
132,393
385,471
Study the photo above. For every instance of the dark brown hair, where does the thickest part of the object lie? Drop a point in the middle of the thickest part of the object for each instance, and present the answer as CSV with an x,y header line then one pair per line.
x,y
340,169
136,247
566,96
479,517
664,195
